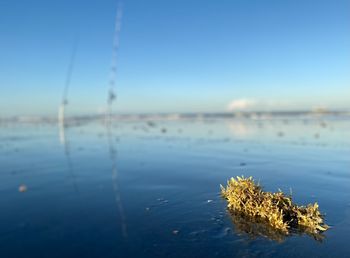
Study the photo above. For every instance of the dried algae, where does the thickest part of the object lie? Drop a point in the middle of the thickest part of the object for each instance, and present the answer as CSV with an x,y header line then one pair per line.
x,y
246,197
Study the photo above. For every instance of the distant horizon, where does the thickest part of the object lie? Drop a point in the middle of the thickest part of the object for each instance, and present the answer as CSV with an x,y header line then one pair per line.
x,y
184,114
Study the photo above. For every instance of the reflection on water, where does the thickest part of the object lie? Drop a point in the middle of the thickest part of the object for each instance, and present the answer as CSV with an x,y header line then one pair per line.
x,y
115,183
241,129
155,192
255,227
63,126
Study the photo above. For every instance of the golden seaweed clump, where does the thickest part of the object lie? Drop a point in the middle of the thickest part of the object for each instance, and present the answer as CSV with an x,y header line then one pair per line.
x,y
245,196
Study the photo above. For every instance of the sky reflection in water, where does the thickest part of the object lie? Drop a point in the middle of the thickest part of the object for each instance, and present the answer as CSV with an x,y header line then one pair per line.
x,y
152,189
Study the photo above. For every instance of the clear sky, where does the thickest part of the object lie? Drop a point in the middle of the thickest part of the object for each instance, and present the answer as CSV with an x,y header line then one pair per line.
x,y
175,55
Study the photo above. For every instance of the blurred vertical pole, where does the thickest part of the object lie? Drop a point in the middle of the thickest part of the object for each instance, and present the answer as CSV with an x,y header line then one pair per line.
x,y
64,101
110,99
61,113
113,73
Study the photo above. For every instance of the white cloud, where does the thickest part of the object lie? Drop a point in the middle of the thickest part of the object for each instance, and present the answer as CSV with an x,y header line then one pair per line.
x,y
245,104
241,104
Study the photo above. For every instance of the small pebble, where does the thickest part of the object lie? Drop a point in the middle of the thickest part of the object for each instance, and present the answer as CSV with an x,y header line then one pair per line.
x,y
22,188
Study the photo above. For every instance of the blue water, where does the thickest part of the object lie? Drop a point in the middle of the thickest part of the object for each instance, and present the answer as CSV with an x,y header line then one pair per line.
x,y
152,190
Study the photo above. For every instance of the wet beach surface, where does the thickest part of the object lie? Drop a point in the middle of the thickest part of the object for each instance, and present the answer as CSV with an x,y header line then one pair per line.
x,y
150,188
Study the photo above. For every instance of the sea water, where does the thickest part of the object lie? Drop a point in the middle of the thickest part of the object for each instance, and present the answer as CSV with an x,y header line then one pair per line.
x,y
141,188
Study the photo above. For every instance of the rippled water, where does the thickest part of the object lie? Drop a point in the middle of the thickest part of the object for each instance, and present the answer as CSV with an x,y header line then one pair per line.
x,y
151,189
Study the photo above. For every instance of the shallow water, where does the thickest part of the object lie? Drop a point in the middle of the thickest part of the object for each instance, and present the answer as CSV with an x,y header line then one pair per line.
x,y
152,189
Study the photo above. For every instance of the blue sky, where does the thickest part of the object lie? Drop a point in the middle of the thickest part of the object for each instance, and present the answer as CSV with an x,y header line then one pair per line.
x,y
175,56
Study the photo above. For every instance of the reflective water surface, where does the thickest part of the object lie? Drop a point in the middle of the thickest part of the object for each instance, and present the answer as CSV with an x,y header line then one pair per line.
x,y
142,188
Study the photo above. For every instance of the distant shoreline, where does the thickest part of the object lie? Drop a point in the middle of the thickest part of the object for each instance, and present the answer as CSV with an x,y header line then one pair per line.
x,y
181,116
